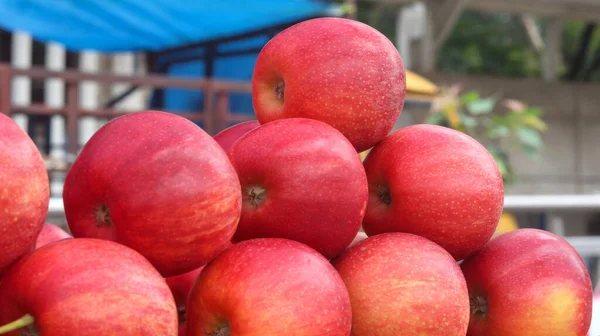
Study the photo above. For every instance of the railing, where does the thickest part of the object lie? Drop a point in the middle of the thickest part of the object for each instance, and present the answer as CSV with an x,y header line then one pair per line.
x,y
215,115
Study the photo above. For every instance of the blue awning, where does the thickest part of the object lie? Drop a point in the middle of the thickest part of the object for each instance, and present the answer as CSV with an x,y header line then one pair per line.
x,y
148,25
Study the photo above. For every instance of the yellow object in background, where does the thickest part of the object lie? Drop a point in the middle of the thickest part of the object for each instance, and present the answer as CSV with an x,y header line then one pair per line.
x,y
508,222
363,155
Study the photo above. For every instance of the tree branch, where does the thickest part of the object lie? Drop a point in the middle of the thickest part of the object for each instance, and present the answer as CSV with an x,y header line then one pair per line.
x,y
578,62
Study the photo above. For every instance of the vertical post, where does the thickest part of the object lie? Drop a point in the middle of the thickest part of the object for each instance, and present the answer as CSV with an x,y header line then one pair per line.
x,y
209,107
54,97
5,79
72,119
124,64
89,95
21,86
428,51
551,55
222,111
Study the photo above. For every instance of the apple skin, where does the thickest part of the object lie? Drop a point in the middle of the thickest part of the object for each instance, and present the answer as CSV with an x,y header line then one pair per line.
x,y
180,286
301,180
437,183
339,71
87,286
24,193
49,234
159,184
534,284
227,137
404,284
269,286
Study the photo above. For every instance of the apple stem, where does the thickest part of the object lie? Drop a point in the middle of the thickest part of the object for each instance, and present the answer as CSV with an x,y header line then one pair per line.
x,y
479,305
17,324
255,195
280,90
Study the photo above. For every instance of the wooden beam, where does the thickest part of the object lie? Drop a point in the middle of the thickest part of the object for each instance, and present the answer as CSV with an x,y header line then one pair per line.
x,y
446,17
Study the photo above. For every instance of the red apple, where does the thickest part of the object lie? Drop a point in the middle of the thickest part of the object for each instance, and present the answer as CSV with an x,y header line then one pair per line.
x,y
403,284
24,192
301,180
227,137
269,286
159,184
86,287
528,282
49,234
335,70
180,286
437,183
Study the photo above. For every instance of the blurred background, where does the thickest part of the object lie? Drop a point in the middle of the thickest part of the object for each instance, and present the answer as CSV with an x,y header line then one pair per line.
x,y
521,76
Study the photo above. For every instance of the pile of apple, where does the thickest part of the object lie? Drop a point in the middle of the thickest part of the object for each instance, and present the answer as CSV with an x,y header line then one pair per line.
x,y
257,231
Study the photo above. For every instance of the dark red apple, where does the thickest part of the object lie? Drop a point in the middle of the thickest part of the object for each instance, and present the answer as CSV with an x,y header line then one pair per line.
x,y
435,182
269,286
335,70
159,184
24,192
180,286
528,282
86,286
301,180
49,234
403,284
227,137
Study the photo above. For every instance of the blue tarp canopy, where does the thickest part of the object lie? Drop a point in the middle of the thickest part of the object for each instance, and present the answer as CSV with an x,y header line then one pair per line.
x,y
134,25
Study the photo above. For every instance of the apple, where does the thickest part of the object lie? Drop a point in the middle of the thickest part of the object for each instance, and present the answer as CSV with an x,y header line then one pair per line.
x,y
528,282
269,286
229,136
301,180
434,182
339,71
24,193
180,286
49,234
155,182
404,284
85,286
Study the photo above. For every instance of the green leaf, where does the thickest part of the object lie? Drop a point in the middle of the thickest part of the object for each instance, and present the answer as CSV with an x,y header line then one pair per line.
x,y
498,131
435,119
469,97
468,121
481,106
531,151
530,137
533,111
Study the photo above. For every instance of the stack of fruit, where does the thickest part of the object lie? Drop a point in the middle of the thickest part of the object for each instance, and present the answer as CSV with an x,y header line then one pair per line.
x,y
256,231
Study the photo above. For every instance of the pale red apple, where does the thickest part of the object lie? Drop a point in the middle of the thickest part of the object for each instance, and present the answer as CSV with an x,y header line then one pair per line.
x,y
49,234
269,286
435,182
528,282
180,286
24,192
86,286
155,182
227,137
342,72
301,180
403,284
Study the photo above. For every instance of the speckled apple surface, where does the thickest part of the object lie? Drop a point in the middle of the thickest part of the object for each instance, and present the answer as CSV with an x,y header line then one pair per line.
x,y
339,71
87,287
437,183
158,183
24,192
302,180
403,284
528,282
269,286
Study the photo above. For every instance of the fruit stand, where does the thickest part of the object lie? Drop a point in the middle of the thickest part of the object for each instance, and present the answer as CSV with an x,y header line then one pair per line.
x,y
182,226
